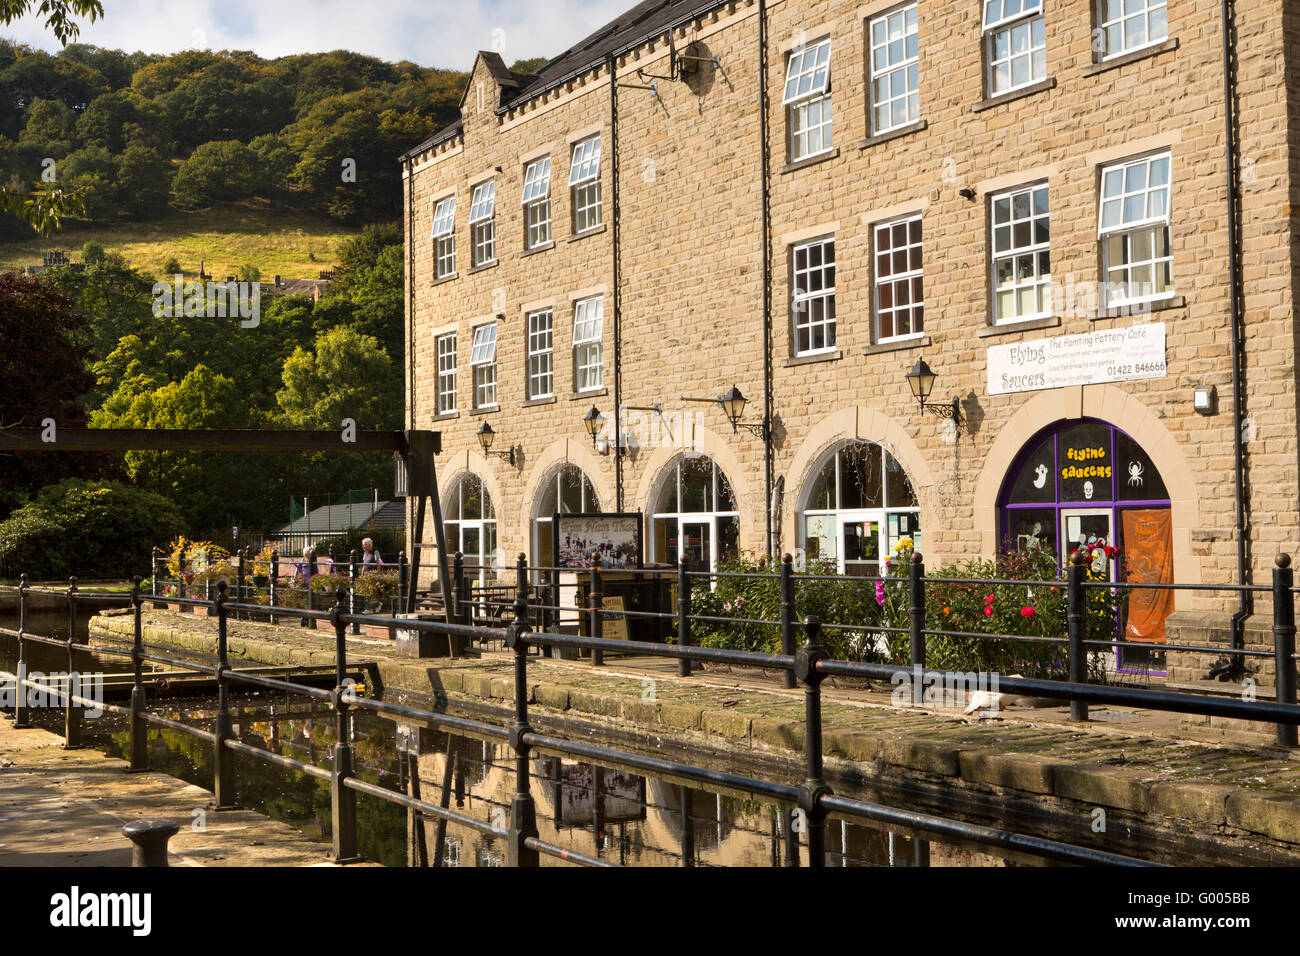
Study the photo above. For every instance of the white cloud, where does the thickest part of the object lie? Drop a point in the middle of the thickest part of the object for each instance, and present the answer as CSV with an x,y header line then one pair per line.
x,y
441,33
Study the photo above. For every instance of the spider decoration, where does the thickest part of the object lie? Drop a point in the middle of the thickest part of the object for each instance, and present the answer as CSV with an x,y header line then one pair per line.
x,y
1135,473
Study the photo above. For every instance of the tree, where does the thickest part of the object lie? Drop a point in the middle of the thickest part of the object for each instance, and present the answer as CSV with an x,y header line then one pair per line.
x,y
93,173
92,253
346,375
49,125
220,171
42,377
58,14
143,183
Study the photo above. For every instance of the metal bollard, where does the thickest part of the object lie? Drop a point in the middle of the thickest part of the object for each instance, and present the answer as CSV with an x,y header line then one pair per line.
x,y
22,719
787,616
149,841
595,601
343,799
916,609
1284,643
814,788
523,810
139,733
683,617
1077,618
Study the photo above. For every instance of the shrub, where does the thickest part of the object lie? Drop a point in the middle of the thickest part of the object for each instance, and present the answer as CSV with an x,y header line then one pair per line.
x,y
171,266
87,528
92,252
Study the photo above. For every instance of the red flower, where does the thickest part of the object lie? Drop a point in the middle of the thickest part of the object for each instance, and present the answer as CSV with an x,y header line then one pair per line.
x,y
989,599
1026,612
1111,552
988,610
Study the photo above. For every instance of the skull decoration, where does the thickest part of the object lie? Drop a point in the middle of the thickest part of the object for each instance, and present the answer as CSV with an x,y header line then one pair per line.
x,y
1087,490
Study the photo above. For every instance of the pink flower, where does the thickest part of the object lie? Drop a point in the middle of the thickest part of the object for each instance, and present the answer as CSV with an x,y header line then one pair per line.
x,y
988,610
1026,612
880,593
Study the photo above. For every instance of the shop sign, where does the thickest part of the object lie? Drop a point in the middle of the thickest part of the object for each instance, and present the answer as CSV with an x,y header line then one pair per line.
x,y
1107,355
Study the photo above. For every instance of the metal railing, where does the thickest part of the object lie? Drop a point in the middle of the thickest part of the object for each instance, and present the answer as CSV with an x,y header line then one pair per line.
x,y
808,664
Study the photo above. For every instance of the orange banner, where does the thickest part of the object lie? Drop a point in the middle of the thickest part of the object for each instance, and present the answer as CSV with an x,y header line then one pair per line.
x,y
1149,559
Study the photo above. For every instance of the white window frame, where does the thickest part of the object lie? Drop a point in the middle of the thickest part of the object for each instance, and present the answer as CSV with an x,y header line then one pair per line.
x,y
588,344
807,99
804,301
1152,11
584,184
541,353
445,350
483,362
537,203
883,67
1016,21
483,224
1155,218
907,277
444,237
1032,251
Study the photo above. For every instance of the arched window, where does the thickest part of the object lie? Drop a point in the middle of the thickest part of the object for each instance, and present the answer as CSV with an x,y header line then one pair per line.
x,y
695,515
1086,482
471,524
857,506
568,491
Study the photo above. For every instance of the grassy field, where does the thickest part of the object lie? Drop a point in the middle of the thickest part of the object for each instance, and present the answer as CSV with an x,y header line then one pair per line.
x,y
277,241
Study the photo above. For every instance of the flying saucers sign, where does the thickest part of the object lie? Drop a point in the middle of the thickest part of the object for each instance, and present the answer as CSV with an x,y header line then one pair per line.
x,y
1108,355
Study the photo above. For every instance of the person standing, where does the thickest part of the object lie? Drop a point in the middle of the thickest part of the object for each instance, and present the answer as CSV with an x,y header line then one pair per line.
x,y
370,559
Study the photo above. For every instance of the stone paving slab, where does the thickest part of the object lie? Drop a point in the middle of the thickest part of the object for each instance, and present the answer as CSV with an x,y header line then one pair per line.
x,y
1140,761
66,808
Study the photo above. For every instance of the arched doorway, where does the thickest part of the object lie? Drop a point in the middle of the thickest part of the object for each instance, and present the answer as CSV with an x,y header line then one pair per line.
x,y
857,506
566,491
470,520
694,515
1085,482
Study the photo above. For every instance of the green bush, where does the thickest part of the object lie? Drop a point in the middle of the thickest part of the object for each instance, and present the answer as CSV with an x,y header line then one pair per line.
x,y
963,609
92,529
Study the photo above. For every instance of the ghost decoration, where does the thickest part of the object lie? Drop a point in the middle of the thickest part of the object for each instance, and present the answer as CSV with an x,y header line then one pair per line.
x,y
1087,490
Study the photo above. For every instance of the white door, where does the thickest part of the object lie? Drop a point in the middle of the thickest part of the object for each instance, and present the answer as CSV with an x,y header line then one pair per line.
x,y
1081,527
859,542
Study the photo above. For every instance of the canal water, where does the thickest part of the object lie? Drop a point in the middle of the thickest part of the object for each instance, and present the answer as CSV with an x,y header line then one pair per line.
x,y
600,811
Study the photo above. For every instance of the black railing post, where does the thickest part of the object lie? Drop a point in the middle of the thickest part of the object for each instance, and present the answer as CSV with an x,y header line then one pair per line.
x,y
352,589
71,710
595,601
223,760
916,609
1284,643
343,799
523,811
814,788
1077,617
403,583
139,738
787,616
460,590
683,617
22,719
273,591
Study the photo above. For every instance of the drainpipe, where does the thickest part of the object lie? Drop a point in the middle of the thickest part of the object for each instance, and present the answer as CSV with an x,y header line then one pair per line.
x,y
1236,662
616,298
765,174
410,326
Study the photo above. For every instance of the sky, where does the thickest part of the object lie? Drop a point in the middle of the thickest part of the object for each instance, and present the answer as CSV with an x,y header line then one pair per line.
x,y
441,33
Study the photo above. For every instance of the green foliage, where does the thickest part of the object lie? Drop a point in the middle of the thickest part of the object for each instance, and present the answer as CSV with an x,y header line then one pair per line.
x,y
143,181
347,375
86,528
983,618
249,273
216,172
92,253
171,266
58,14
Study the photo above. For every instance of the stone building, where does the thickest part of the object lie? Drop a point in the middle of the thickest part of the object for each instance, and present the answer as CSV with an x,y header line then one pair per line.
x,y
805,200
